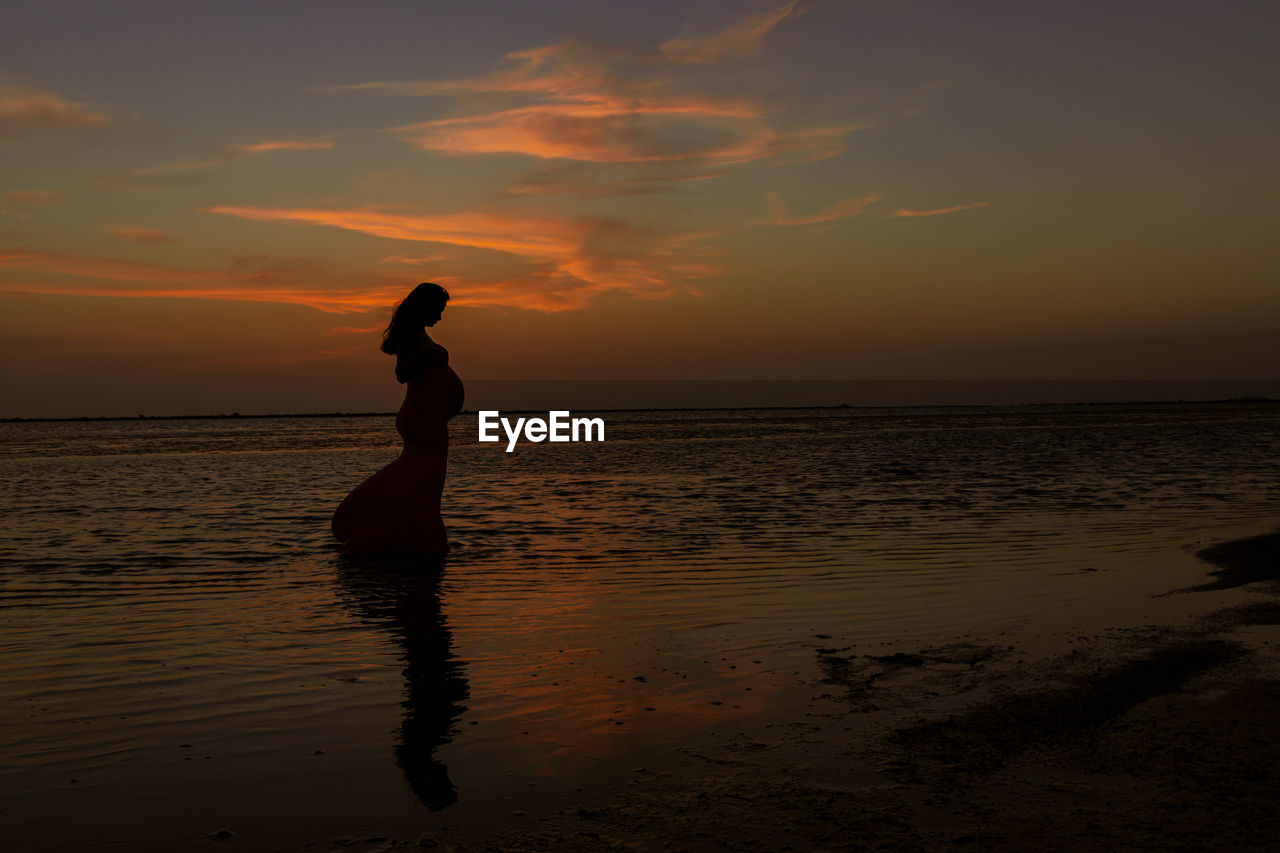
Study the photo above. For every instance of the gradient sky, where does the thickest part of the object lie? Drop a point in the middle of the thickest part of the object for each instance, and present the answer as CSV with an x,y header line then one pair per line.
x,y
212,206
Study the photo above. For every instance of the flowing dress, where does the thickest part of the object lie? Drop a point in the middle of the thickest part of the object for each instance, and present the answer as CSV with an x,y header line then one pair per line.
x,y
397,510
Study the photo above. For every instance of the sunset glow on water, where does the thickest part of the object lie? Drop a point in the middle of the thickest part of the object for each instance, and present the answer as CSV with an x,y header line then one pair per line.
x,y
170,593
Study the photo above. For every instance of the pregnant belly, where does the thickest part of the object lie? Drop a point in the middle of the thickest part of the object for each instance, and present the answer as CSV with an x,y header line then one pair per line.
x,y
429,402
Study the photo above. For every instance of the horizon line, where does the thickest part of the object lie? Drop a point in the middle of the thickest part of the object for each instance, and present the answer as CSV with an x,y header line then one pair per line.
x,y
1248,399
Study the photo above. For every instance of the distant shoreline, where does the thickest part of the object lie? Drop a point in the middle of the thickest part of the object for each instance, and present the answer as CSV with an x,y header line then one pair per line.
x,y
1247,400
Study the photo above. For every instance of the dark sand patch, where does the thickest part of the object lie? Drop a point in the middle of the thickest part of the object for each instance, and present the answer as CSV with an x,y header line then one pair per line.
x,y
1250,613
861,675
1241,561
984,737
1187,771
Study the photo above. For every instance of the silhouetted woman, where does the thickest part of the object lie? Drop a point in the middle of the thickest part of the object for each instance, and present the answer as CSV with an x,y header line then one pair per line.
x,y
397,510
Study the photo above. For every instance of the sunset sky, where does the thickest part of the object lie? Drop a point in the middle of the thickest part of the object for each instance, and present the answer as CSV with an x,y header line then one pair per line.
x,y
213,206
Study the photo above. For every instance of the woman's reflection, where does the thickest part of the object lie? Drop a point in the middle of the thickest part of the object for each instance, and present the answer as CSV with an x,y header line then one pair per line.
x,y
404,597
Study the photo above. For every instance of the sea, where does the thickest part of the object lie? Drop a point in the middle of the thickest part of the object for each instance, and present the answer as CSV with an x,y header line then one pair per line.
x,y
187,659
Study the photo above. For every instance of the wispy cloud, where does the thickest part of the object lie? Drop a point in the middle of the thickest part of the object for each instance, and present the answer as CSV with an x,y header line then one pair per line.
x,y
941,210
415,261
139,235
183,166
734,39
602,133
617,104
532,237
24,108
34,197
839,210
587,70
252,278
224,155
567,259
578,184
283,145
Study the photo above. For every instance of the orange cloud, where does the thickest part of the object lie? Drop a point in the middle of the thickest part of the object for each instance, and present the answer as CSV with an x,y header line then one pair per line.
x,y
567,260
941,210
840,210
607,104
222,156
587,70
551,182
33,196
23,108
734,39
252,279
600,133
139,235
537,238
414,261
258,147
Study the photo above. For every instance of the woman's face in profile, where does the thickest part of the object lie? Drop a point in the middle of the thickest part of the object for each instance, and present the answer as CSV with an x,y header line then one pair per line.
x,y
434,317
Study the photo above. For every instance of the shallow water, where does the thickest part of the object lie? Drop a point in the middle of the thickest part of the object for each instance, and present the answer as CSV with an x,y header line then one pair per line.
x,y
181,640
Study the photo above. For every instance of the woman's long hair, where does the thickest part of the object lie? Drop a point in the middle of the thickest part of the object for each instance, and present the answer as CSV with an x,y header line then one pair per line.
x,y
411,315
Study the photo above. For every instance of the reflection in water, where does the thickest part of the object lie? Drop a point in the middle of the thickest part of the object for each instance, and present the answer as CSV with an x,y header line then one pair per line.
x,y
683,549
403,596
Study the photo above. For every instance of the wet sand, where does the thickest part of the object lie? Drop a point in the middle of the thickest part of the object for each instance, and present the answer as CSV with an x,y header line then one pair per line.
x,y
1150,738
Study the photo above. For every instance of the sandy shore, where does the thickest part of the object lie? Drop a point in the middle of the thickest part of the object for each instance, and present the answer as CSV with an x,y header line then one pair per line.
x,y
1157,738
